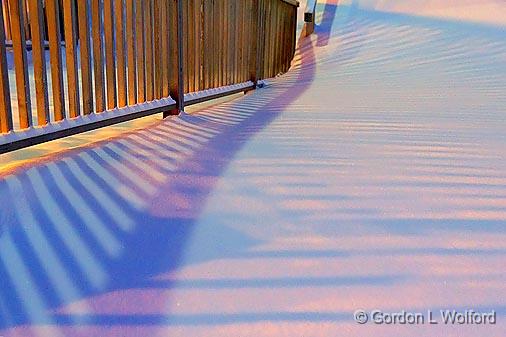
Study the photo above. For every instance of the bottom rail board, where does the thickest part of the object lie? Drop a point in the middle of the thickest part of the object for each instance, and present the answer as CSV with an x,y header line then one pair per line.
x,y
17,140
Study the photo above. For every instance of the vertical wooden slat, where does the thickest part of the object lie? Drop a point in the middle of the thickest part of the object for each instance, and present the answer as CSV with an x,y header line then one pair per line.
x,y
272,38
159,47
281,28
223,41
224,56
158,31
202,49
266,38
207,52
131,51
186,24
286,37
248,41
237,42
224,37
25,20
279,33
120,52
141,56
288,57
19,48
39,60
83,15
190,37
198,41
5,94
254,24
54,35
148,40
294,33
230,43
156,36
98,58
218,42
110,62
260,39
69,19
233,41
162,54
240,41
246,31
277,48
283,39
165,49
7,21
279,37
257,4
212,44
291,34
176,24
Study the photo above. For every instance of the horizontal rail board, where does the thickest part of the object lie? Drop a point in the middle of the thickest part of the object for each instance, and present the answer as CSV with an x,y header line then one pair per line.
x,y
210,94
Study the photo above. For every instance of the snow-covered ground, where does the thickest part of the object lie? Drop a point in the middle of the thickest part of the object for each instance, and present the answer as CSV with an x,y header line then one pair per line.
x,y
372,176
492,12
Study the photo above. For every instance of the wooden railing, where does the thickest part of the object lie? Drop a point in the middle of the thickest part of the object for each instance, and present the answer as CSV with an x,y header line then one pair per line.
x,y
124,59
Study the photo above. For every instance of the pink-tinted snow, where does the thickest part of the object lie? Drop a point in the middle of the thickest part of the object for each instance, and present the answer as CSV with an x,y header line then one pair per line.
x,y
371,176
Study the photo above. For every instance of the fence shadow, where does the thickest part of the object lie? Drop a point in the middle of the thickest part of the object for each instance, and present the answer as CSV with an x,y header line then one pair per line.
x,y
110,216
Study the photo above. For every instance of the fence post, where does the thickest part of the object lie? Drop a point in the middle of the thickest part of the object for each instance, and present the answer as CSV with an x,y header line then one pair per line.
x,y
176,84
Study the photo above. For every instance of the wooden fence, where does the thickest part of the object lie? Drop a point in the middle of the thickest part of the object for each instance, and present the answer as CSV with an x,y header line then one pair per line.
x,y
124,59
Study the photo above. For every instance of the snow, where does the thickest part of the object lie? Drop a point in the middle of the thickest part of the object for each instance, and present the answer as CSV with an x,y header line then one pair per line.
x,y
371,176
490,12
